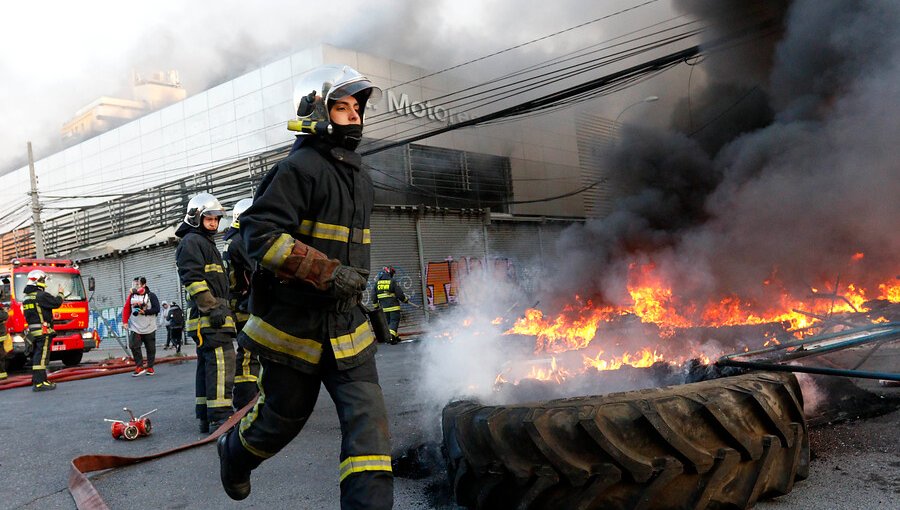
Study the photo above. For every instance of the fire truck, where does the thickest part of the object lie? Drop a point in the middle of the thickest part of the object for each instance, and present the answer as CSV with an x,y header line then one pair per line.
x,y
70,320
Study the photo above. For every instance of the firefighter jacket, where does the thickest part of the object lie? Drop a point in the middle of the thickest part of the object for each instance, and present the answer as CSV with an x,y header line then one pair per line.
x,y
319,196
240,272
4,316
387,294
200,269
37,308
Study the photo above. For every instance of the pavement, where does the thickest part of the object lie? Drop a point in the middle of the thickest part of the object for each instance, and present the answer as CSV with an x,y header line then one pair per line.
x,y
856,462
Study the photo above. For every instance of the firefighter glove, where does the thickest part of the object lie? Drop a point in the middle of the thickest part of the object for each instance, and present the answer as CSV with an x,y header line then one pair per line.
x,y
205,301
218,315
309,265
348,282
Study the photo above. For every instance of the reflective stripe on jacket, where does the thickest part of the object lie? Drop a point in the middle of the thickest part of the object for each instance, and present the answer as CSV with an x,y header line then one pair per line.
x,y
319,196
200,269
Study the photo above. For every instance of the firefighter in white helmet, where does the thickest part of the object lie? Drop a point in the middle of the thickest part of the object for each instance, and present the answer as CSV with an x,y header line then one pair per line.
x,y
239,268
37,308
308,231
210,323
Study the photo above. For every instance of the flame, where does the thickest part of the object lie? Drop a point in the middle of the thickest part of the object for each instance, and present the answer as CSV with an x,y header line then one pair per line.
x,y
585,324
641,359
890,292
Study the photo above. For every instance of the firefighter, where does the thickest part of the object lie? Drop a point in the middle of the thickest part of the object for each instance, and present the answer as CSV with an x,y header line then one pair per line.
x,y
5,342
308,231
37,308
210,323
240,270
388,295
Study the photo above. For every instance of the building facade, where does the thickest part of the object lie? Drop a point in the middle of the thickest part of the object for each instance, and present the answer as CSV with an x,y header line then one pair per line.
x,y
491,195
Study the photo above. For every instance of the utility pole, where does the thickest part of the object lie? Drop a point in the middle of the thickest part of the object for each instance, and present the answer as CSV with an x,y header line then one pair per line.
x,y
35,209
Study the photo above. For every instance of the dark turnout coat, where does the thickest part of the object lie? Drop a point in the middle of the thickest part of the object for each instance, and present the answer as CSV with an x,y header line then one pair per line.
x,y
318,195
240,272
37,308
200,269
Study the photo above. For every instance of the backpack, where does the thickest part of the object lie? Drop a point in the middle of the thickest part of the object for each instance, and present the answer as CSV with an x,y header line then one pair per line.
x,y
176,318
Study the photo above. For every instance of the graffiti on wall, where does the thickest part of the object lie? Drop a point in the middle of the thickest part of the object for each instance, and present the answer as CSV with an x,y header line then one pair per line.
x,y
107,321
443,278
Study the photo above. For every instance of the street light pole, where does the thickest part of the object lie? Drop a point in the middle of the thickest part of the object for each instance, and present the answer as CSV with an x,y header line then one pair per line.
x,y
648,99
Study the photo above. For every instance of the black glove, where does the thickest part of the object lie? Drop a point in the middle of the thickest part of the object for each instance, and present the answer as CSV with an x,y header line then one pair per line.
x,y
347,304
348,282
218,315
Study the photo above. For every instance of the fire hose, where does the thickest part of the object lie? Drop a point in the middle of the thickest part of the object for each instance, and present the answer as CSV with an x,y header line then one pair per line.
x,y
86,495
107,367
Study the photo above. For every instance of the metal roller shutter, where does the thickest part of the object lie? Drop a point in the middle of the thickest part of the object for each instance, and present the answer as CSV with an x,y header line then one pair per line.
x,y
107,299
157,265
449,235
518,241
521,244
394,243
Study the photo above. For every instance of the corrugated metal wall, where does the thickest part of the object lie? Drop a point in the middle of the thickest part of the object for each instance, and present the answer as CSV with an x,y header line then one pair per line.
x,y
447,237
107,298
394,244
596,135
157,265
452,241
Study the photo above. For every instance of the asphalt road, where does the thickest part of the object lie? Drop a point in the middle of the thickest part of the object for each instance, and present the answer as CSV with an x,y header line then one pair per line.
x,y
856,464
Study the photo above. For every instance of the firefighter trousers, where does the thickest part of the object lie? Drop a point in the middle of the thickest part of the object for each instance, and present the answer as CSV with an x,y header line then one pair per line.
x,y
40,358
246,374
215,379
393,320
286,400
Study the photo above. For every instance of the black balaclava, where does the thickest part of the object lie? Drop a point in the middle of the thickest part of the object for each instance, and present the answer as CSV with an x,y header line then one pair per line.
x,y
349,136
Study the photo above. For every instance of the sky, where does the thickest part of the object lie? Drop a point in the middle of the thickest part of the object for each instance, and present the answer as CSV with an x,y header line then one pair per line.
x,y
56,57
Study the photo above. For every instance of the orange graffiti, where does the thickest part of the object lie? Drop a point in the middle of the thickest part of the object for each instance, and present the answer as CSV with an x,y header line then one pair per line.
x,y
442,279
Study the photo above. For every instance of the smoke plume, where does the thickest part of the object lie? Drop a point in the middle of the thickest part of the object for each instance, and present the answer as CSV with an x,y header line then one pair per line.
x,y
789,192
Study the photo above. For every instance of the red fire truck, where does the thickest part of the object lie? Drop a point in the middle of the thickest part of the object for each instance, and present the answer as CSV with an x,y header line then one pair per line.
x,y
70,321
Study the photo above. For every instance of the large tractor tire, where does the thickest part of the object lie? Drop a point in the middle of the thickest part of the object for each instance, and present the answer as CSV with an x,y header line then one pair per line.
x,y
723,443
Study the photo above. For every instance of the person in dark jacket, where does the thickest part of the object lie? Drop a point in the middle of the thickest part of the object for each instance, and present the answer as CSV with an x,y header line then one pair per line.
x,y
240,271
37,308
175,321
308,230
210,323
388,295
5,342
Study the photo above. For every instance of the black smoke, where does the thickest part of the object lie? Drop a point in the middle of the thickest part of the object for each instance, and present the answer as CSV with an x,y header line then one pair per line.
x,y
783,169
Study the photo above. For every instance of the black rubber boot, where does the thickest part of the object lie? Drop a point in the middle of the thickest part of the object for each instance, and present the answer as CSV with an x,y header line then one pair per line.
x,y
44,386
204,427
237,486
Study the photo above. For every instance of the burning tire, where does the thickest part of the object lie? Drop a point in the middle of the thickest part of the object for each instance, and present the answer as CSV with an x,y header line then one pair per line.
x,y
722,443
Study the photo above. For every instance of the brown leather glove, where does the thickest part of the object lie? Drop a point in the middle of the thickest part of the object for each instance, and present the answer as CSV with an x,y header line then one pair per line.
x,y
205,301
309,265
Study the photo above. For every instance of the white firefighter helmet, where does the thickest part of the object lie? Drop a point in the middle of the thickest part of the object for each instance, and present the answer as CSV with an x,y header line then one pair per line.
x,y
203,204
316,87
37,277
239,209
